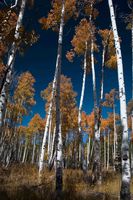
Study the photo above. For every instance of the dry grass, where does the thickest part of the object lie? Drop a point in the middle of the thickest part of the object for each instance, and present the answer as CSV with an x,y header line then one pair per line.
x,y
21,183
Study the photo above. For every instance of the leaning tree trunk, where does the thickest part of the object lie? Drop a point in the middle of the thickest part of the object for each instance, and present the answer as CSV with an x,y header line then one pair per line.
x,y
126,176
10,63
58,145
81,105
96,160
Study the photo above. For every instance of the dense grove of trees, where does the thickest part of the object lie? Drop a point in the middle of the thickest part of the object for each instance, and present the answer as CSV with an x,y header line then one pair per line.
x,y
67,137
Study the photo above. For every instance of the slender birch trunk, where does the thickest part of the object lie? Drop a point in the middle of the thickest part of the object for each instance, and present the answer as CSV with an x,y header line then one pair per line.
x,y
126,176
25,151
10,63
104,151
52,148
96,161
54,88
34,148
115,137
81,102
49,139
59,164
58,141
88,151
108,151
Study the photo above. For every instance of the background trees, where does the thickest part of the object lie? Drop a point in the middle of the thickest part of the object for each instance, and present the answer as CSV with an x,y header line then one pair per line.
x,y
69,136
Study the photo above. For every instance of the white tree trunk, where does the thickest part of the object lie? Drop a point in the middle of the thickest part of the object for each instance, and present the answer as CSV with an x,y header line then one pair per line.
x,y
126,176
81,100
108,152
104,151
88,151
52,148
10,62
96,161
25,151
59,162
34,148
49,139
16,2
115,137
54,86
58,145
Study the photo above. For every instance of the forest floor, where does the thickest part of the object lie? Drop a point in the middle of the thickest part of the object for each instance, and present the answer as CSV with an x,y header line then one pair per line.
x,y
21,183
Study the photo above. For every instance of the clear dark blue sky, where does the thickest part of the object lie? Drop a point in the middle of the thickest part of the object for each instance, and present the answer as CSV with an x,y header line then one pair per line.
x,y
41,58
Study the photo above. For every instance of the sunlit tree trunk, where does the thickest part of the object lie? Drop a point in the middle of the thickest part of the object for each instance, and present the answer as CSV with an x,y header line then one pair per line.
x,y
49,138
10,63
49,115
126,176
25,150
52,149
81,103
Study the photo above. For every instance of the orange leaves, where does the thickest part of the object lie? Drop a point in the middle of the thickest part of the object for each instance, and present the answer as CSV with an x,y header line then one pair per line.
x,y
112,62
82,35
25,91
108,43
81,42
53,18
37,124
69,111
7,24
110,98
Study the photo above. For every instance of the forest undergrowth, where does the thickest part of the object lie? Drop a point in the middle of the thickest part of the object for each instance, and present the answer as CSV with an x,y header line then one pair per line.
x,y
22,183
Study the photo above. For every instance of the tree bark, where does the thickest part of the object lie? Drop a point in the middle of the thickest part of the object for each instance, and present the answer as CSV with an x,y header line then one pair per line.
x,y
81,104
58,139
126,176
96,160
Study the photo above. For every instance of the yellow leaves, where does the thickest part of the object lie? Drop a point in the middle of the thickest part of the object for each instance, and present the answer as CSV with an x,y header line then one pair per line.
x,y
82,35
25,91
36,124
68,108
81,42
112,62
54,16
6,26
110,98
109,45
